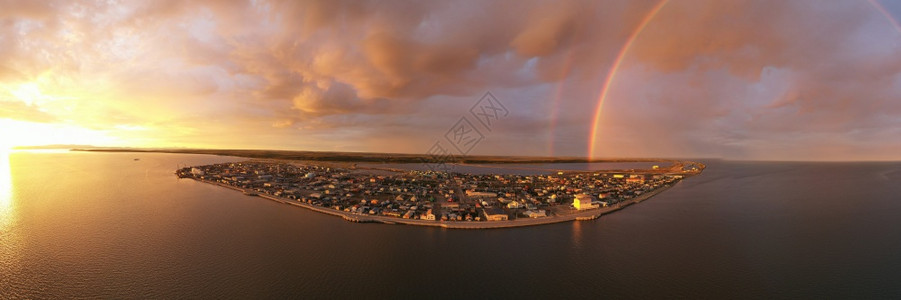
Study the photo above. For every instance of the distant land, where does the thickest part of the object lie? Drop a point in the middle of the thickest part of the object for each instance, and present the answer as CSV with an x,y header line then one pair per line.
x,y
332,183
53,147
371,156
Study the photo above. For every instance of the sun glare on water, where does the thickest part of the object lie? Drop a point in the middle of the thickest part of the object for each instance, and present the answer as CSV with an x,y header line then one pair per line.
x,y
6,193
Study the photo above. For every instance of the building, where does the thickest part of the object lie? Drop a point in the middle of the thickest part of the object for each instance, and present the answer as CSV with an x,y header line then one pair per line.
x,y
495,214
471,193
535,213
514,204
430,216
583,201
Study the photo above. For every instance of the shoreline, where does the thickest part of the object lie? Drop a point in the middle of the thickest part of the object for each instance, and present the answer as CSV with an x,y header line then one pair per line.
x,y
586,215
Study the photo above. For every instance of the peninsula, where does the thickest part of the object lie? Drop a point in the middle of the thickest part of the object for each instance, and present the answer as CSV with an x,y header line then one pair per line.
x,y
449,199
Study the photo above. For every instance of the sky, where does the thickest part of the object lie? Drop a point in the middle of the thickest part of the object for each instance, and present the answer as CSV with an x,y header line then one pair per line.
x,y
755,80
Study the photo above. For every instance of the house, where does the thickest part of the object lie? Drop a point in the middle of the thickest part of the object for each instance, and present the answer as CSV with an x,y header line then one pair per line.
x,y
495,214
514,204
535,213
430,216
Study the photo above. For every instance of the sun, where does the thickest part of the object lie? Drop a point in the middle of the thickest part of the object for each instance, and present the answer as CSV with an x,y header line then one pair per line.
x,y
15,133
6,137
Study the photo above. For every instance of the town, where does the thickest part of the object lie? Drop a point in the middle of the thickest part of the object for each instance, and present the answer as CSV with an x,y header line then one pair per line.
x,y
432,196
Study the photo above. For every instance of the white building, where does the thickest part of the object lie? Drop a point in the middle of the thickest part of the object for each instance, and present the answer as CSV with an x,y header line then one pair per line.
x,y
197,171
583,201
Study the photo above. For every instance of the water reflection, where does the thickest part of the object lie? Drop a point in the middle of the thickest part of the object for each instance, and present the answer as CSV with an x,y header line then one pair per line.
x,y
6,193
577,235
10,242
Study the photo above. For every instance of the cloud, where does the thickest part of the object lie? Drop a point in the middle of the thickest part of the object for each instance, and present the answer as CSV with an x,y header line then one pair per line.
x,y
16,110
720,78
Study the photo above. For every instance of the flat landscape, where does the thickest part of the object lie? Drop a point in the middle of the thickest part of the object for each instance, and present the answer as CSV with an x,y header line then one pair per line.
x,y
375,157
455,199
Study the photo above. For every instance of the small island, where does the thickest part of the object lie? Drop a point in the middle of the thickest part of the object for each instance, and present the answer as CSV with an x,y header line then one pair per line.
x,y
443,199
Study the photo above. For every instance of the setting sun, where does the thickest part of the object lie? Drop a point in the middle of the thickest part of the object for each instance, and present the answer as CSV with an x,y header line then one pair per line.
x,y
358,148
20,133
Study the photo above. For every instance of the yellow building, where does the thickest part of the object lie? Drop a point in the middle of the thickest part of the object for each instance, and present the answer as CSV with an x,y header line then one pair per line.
x,y
583,201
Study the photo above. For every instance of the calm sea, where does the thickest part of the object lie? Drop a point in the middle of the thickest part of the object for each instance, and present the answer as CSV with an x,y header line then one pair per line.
x,y
104,225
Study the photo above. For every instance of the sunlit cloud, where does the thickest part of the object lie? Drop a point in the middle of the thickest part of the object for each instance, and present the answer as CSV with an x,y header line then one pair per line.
x,y
710,78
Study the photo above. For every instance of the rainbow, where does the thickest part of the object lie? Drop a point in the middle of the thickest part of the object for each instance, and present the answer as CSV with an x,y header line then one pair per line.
x,y
885,13
625,49
614,68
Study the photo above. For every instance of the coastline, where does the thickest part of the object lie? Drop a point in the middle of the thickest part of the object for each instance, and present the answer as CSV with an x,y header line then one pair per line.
x,y
586,215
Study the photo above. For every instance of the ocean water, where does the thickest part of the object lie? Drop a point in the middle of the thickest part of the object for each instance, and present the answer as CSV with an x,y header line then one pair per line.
x,y
103,225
